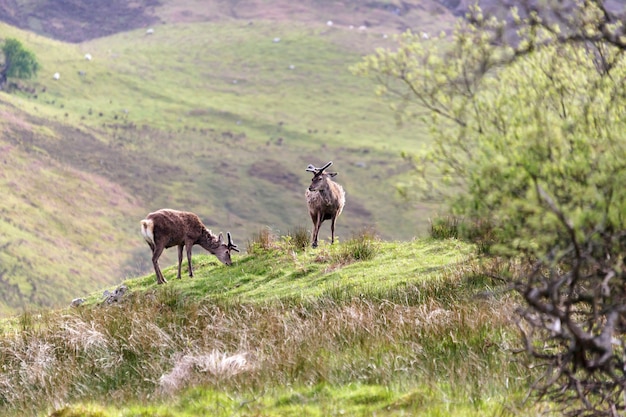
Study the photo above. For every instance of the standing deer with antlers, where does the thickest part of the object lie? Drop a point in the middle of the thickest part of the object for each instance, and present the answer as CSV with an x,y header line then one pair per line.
x,y
166,228
325,199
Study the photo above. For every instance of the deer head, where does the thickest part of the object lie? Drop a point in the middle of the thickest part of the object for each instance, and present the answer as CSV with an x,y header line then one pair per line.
x,y
222,250
317,183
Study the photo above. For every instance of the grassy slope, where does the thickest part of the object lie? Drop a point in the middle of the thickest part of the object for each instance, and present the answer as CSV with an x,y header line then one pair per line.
x,y
402,333
161,118
55,236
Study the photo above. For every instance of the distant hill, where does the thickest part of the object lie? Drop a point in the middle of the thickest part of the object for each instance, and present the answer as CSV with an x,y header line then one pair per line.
x,y
79,21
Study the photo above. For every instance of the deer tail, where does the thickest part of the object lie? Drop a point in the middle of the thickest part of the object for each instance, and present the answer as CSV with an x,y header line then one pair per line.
x,y
147,230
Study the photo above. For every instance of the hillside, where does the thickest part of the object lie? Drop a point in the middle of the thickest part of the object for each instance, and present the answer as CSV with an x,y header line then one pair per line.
x,y
79,21
362,328
218,117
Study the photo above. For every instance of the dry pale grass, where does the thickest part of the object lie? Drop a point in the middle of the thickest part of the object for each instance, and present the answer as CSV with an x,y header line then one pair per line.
x,y
153,345
214,364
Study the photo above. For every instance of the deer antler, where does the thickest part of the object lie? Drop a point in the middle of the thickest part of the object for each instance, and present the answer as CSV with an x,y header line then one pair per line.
x,y
317,171
231,245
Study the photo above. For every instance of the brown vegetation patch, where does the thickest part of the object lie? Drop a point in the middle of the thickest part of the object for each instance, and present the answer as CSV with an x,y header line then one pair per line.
x,y
74,21
354,208
273,171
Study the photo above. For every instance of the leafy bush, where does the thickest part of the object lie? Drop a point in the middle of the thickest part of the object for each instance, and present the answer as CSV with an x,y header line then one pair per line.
x,y
527,139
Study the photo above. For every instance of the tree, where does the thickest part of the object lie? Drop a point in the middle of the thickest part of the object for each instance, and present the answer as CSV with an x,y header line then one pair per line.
x,y
18,62
527,116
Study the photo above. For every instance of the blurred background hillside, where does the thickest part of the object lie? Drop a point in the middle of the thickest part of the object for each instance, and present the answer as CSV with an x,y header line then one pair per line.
x,y
215,107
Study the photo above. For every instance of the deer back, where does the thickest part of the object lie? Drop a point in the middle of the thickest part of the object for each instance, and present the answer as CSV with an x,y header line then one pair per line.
x,y
175,227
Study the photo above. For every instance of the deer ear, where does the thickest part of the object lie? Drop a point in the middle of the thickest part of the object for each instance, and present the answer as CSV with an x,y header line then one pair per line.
x,y
220,238
332,174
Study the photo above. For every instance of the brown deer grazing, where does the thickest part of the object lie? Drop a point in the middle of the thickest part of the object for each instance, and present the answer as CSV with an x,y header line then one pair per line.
x,y
325,199
166,228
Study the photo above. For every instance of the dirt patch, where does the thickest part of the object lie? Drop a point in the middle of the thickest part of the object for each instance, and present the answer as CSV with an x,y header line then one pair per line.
x,y
275,173
354,208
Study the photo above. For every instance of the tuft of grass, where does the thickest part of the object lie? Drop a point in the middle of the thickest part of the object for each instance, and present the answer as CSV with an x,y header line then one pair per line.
x,y
298,238
361,247
479,232
446,227
262,241
79,411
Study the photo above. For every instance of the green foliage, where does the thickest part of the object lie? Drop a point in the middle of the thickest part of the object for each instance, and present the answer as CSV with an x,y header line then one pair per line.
x,y
526,143
529,139
18,61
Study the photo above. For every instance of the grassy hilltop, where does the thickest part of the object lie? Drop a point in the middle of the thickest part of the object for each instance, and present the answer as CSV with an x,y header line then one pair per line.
x,y
362,328
217,112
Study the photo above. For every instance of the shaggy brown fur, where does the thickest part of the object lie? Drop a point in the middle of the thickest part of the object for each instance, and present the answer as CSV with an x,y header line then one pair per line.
x,y
166,228
325,199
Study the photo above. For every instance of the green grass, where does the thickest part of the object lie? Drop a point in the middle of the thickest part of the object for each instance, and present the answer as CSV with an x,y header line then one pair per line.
x,y
54,239
279,333
317,272
225,76
319,400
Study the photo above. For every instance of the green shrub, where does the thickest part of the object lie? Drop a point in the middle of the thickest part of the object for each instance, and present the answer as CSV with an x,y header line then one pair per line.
x,y
478,231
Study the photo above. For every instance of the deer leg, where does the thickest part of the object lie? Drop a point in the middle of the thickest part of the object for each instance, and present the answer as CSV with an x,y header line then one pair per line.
x,y
313,229
180,259
189,246
317,222
332,229
155,262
